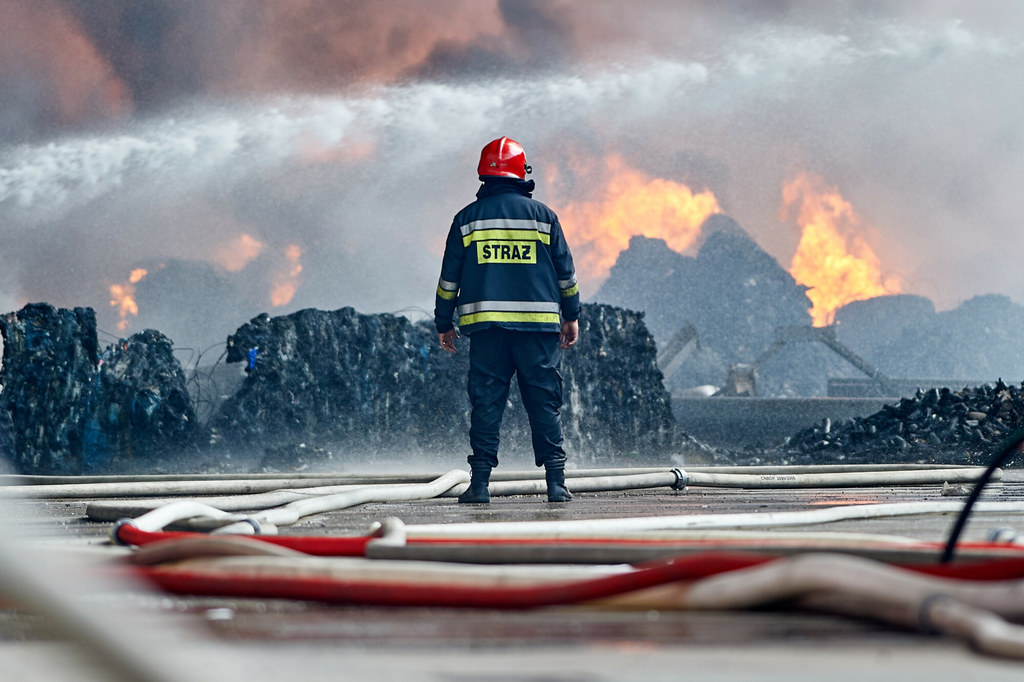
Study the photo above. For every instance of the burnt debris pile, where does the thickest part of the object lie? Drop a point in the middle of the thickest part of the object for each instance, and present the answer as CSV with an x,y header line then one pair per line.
x,y
71,408
904,336
934,426
733,302
733,292
339,384
734,296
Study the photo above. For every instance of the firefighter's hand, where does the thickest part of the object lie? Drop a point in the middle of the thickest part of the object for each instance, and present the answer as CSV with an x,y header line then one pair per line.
x,y
447,340
570,332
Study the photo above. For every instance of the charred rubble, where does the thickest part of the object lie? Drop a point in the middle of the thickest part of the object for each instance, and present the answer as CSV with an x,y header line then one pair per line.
x,y
73,409
733,292
939,425
732,299
325,384
974,343
733,296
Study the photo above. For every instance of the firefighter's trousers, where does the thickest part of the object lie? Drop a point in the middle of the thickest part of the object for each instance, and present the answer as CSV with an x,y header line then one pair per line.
x,y
495,354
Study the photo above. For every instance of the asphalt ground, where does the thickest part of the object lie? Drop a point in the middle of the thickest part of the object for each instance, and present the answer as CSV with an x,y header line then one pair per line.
x,y
254,640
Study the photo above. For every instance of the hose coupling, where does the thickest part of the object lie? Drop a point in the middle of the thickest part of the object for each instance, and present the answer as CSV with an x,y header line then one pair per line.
x,y
926,617
682,479
1003,535
256,528
115,532
389,532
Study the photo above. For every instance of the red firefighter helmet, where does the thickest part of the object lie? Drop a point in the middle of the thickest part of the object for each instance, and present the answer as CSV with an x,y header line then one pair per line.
x,y
503,157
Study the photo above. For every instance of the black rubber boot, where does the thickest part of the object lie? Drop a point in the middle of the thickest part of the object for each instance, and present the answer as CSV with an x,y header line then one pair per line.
x,y
557,492
477,492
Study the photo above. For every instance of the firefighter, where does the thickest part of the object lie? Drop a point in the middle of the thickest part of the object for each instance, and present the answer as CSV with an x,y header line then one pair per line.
x,y
508,274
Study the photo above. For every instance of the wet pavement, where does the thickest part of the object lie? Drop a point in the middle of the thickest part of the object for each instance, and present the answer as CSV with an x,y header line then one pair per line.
x,y
226,639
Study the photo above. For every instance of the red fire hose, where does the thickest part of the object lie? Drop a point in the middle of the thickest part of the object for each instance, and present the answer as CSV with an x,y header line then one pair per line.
x,y
269,583
979,561
968,599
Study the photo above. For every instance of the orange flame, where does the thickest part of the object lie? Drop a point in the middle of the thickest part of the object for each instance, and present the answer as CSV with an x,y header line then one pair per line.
x,y
833,258
287,283
122,297
632,204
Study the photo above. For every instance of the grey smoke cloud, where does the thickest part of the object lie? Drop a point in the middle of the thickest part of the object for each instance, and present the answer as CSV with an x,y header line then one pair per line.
x,y
354,136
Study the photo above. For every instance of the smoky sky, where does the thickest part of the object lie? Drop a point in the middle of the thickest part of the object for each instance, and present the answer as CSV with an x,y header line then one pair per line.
x,y
239,146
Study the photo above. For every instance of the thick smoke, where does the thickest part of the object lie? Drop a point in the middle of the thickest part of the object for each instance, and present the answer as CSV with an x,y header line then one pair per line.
x,y
236,147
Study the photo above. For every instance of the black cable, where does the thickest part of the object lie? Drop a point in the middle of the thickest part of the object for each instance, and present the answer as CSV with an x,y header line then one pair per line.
x,y
1009,448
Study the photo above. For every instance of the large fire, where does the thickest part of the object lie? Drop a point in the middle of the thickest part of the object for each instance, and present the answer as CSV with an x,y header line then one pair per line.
x,y
833,257
632,203
122,297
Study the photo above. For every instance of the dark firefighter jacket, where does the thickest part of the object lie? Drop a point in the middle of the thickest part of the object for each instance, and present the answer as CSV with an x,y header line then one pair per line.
x,y
506,264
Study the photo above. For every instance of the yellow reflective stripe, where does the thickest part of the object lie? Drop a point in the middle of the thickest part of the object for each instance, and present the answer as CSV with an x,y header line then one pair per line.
x,y
509,307
446,295
505,224
478,235
571,291
495,316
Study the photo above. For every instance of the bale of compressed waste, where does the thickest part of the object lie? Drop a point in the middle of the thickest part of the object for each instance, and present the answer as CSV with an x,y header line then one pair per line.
x,y
616,404
6,438
143,410
48,379
342,384
356,382
74,410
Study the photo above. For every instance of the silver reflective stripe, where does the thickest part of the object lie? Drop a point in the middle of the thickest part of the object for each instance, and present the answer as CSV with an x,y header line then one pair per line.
x,y
448,286
505,224
566,283
510,306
